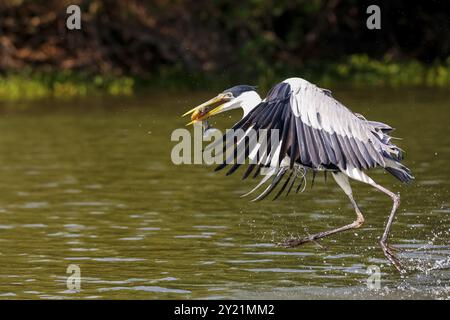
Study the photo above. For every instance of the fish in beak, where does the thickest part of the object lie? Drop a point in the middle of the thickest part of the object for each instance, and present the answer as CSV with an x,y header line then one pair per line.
x,y
207,109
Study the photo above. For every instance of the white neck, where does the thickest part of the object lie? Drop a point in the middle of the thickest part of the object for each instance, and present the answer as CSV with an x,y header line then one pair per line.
x,y
249,100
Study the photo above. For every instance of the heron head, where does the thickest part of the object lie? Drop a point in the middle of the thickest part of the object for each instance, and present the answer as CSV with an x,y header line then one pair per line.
x,y
232,98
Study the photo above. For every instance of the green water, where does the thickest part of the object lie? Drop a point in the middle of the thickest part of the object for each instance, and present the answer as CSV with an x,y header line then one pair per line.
x,y
91,183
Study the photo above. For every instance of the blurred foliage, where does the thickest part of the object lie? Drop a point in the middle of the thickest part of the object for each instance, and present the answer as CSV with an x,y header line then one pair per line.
x,y
360,70
28,86
127,45
356,70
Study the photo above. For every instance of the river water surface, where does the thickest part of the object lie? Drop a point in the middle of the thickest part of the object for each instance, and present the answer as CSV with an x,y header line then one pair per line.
x,y
91,183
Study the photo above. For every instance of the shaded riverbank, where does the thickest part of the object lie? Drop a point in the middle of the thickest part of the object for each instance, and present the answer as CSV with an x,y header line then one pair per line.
x,y
356,70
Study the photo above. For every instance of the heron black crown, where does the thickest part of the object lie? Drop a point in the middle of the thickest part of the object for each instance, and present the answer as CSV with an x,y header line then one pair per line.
x,y
236,91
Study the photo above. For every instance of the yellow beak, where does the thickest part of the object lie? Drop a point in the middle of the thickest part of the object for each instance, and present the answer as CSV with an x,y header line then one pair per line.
x,y
202,112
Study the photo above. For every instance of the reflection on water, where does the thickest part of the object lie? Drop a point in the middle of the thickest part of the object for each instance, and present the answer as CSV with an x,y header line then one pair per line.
x,y
91,183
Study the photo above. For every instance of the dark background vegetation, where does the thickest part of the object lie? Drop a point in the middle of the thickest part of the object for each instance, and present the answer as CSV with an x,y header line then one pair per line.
x,y
176,42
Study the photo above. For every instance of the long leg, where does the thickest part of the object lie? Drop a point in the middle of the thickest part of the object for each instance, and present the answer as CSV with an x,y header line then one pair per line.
x,y
342,181
361,176
383,242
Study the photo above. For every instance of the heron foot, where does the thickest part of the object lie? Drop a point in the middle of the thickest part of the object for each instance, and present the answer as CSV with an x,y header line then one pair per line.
x,y
291,243
395,249
388,252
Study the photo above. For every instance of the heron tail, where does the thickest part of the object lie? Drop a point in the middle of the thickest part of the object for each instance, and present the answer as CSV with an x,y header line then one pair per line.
x,y
391,154
398,170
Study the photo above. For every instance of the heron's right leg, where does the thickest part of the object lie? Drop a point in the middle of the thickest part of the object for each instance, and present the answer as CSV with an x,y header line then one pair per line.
x,y
342,181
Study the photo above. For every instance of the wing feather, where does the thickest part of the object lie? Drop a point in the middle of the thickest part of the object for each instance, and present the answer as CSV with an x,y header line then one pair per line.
x,y
316,131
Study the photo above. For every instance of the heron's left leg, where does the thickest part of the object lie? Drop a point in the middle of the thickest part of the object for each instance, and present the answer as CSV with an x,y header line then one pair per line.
x,y
342,181
387,249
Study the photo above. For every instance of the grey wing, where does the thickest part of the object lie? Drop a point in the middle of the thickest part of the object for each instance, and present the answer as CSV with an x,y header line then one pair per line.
x,y
315,131
332,135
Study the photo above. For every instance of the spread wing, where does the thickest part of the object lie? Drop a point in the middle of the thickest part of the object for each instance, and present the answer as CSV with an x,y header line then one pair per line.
x,y
315,131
